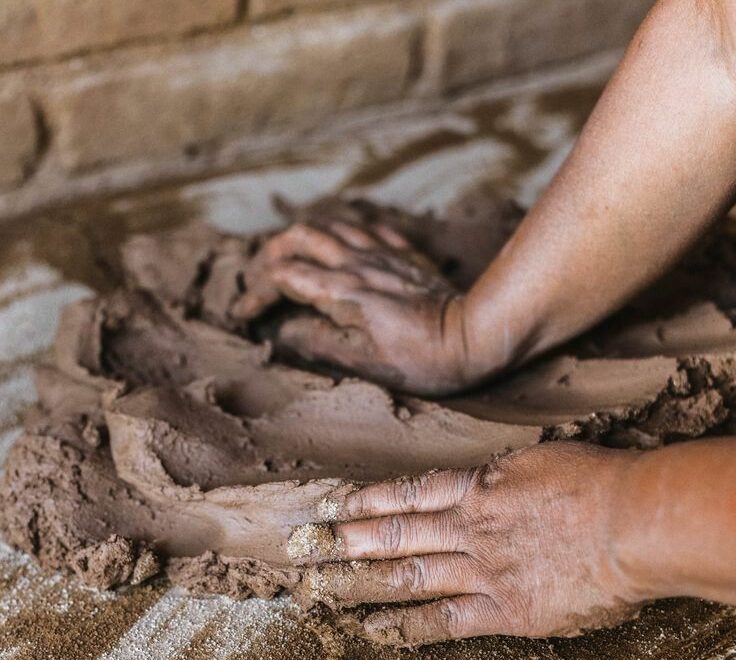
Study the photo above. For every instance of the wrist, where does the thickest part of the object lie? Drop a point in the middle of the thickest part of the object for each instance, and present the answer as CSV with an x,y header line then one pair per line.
x,y
639,548
495,336
603,501
458,360
469,353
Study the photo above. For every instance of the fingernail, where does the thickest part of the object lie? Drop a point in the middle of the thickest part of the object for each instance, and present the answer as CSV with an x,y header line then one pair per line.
x,y
313,543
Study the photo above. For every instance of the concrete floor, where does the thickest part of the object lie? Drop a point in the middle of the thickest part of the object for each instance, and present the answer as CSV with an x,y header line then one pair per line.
x,y
511,140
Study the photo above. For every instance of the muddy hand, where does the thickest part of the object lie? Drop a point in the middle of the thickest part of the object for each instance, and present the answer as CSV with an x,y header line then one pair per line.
x,y
385,311
518,547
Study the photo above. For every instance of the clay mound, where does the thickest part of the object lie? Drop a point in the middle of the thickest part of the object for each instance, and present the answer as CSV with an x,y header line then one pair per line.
x,y
169,439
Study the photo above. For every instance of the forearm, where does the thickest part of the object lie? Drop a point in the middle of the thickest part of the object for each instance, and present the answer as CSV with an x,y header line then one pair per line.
x,y
673,529
655,163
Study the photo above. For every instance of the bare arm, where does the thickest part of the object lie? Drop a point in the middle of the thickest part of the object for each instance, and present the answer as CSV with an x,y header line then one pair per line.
x,y
674,530
655,163
557,537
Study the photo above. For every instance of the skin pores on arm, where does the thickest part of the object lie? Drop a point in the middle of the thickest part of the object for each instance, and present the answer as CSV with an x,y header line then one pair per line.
x,y
674,521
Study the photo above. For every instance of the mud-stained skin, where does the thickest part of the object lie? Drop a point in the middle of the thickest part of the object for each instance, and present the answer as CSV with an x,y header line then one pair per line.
x,y
171,436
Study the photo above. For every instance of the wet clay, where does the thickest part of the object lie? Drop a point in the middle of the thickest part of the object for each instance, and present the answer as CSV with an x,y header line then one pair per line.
x,y
172,438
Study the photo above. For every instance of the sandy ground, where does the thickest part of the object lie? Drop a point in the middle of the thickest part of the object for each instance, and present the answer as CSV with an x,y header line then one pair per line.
x,y
513,144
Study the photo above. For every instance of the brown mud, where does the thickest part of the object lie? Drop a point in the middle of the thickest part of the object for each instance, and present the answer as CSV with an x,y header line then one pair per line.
x,y
167,440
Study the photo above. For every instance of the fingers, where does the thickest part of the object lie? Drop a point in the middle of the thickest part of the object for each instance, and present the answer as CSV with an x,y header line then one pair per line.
x,y
311,266
382,280
331,247
315,338
433,491
303,282
254,301
393,537
370,236
390,237
354,236
320,267
414,578
426,522
308,283
307,242
390,537
449,618
299,241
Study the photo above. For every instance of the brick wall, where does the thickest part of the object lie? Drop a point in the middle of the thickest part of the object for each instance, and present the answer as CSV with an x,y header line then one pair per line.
x,y
97,94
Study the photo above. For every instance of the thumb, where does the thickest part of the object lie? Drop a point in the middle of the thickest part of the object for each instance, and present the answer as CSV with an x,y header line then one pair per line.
x,y
319,338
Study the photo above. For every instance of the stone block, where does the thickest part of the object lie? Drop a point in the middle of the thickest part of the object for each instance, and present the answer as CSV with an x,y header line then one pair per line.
x,y
18,137
43,29
473,41
293,73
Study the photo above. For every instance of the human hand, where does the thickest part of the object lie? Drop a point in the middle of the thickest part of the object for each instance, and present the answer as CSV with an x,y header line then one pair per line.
x,y
386,312
522,546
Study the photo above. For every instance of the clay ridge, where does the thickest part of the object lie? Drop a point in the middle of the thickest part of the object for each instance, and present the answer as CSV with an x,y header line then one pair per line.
x,y
169,439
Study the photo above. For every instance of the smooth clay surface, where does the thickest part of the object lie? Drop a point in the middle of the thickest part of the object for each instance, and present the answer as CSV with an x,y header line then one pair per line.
x,y
171,438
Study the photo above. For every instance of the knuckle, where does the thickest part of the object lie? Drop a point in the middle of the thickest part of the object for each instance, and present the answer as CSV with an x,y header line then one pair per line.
x,y
495,611
358,505
320,236
352,232
286,273
410,574
390,533
486,485
462,482
304,234
353,280
449,617
487,476
389,232
408,492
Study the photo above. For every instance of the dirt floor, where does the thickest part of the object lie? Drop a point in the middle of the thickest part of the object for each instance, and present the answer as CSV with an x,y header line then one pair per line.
x,y
512,144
